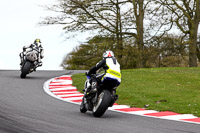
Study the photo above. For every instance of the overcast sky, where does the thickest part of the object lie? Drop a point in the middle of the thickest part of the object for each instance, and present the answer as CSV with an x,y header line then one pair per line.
x,y
19,27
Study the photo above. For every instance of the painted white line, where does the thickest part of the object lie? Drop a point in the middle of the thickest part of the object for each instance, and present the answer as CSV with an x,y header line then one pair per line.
x,y
179,117
66,76
46,89
118,107
66,88
143,112
69,92
60,80
69,95
61,83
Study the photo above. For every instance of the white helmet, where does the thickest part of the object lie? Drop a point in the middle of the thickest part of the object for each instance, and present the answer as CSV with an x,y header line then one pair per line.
x,y
108,54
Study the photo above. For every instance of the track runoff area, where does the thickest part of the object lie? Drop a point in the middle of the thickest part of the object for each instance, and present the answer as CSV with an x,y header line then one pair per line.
x,y
62,89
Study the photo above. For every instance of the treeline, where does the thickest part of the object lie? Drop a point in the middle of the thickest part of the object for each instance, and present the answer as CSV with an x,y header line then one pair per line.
x,y
138,31
167,51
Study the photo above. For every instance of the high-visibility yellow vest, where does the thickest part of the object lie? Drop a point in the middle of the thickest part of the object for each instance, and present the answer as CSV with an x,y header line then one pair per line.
x,y
113,69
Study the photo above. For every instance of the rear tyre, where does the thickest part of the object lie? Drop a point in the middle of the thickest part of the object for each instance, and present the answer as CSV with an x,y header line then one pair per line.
x,y
25,69
82,107
102,104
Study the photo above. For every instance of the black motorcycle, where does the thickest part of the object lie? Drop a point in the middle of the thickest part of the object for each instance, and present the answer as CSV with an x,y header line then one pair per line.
x,y
104,97
30,62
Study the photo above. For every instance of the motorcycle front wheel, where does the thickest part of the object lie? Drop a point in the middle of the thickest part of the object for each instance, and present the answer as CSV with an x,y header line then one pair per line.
x,y
102,104
25,69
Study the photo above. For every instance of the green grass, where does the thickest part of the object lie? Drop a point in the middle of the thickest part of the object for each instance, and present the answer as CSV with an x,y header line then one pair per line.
x,y
163,89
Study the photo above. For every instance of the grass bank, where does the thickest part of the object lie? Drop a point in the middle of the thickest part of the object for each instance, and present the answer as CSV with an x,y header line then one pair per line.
x,y
161,89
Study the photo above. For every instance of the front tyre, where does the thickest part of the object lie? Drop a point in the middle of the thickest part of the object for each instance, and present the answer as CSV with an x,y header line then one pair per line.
x,y
25,69
102,104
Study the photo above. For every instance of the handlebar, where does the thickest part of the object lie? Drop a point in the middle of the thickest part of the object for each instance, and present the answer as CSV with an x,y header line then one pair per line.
x,y
98,75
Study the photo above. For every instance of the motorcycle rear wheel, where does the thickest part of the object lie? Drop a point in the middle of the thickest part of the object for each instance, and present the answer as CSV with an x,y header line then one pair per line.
x,y
26,68
102,104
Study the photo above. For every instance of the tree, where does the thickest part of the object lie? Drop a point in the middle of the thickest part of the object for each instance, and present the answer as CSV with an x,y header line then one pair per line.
x,y
122,19
186,16
82,57
138,7
172,52
104,16
149,22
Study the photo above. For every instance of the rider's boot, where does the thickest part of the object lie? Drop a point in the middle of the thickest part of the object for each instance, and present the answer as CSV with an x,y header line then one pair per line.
x,y
39,62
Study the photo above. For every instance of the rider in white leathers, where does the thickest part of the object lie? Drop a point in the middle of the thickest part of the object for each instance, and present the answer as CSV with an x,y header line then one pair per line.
x,y
37,45
112,70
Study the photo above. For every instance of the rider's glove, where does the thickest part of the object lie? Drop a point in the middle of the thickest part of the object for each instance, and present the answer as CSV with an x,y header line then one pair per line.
x,y
87,73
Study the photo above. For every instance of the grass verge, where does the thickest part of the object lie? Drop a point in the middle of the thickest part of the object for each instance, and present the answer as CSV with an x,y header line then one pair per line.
x,y
161,89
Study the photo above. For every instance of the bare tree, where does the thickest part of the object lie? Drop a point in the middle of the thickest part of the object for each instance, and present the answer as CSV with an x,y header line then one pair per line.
x,y
186,16
121,18
105,16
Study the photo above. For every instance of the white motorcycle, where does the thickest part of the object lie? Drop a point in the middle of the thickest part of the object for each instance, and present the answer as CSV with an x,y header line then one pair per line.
x,y
30,61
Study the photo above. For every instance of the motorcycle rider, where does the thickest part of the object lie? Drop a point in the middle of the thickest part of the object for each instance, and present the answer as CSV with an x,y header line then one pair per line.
x,y
112,71
37,45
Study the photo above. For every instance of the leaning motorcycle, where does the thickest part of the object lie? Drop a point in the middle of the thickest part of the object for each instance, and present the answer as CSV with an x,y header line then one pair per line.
x,y
30,62
104,97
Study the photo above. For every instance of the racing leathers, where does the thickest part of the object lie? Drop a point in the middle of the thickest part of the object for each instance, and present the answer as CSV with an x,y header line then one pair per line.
x,y
112,72
26,49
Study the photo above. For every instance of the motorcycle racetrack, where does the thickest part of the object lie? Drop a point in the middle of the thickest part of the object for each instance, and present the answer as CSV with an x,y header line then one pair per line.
x,y
26,108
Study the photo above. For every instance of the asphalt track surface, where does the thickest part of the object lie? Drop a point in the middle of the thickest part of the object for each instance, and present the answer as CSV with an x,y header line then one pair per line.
x,y
26,108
